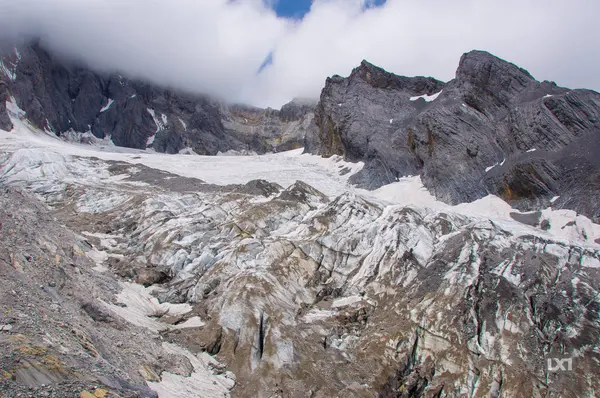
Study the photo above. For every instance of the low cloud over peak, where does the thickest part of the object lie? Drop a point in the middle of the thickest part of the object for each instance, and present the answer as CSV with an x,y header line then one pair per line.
x,y
244,52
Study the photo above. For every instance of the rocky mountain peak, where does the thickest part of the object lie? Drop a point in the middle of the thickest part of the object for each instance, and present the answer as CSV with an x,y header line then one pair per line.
x,y
494,129
487,71
378,77
297,108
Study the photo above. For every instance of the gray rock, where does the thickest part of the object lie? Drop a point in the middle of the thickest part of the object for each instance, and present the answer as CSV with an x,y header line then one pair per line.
x,y
492,113
532,218
303,193
297,109
5,123
149,276
545,225
96,312
270,130
261,187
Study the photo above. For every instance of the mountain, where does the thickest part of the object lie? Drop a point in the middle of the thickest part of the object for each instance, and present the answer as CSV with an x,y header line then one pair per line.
x,y
129,273
504,133
65,97
493,129
271,130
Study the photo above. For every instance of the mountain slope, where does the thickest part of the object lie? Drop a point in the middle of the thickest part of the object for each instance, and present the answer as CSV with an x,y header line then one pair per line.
x,y
493,129
64,97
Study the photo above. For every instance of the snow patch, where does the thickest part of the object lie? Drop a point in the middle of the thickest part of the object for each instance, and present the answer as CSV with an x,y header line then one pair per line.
x,y
491,167
427,98
344,301
107,106
328,175
141,308
202,382
11,74
487,169
183,124
150,140
160,123
316,314
13,109
406,191
193,322
568,225
589,262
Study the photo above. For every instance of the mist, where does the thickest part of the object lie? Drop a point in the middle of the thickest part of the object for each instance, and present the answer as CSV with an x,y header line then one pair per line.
x,y
219,47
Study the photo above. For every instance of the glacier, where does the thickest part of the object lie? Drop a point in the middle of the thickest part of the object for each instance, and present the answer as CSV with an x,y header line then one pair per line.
x,y
272,274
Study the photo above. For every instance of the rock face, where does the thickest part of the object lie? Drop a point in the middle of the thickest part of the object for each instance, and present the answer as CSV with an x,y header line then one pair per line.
x,y
269,130
62,97
5,123
493,129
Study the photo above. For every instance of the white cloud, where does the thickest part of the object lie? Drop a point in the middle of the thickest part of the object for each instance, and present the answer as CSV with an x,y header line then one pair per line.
x,y
217,46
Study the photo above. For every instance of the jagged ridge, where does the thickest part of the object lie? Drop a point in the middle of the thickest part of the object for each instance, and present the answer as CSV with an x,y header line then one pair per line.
x,y
493,129
61,96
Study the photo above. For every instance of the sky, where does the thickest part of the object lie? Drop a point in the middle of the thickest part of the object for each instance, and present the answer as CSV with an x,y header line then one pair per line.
x,y
266,52
291,8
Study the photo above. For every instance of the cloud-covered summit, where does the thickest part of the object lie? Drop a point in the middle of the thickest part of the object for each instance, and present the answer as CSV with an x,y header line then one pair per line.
x,y
220,46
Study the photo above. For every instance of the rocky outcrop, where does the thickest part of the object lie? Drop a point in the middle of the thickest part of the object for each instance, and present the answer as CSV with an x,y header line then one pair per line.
x,y
5,123
355,114
493,129
62,97
270,130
